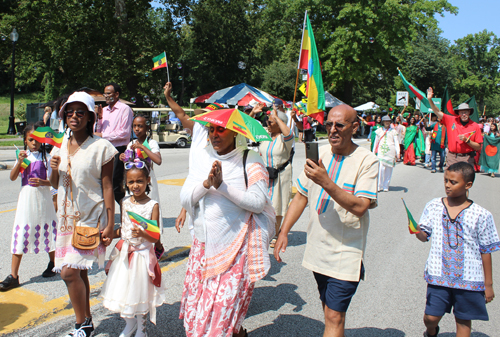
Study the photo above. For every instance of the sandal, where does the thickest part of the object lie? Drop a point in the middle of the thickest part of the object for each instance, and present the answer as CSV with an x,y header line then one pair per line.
x,y
271,244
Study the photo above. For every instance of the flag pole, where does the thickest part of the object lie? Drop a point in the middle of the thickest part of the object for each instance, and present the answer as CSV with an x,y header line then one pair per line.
x,y
298,64
168,74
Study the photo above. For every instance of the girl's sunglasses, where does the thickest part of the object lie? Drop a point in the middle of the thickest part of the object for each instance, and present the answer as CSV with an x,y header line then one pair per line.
x,y
139,164
78,113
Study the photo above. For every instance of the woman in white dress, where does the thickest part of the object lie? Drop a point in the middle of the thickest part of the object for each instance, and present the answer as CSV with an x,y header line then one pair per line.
x,y
82,170
386,149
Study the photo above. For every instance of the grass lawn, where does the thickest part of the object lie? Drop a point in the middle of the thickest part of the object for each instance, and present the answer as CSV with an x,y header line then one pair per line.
x,y
26,99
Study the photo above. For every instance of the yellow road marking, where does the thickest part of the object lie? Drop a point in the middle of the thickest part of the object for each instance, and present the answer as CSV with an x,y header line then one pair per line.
x,y
173,182
22,308
9,210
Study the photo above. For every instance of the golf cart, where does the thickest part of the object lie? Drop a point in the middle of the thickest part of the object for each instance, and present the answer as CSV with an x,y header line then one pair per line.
x,y
161,131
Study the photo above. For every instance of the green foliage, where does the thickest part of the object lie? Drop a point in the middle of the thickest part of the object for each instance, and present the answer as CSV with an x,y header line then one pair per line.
x,y
65,45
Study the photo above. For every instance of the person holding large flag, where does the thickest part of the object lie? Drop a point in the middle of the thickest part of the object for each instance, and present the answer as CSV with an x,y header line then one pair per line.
x,y
340,189
464,135
490,155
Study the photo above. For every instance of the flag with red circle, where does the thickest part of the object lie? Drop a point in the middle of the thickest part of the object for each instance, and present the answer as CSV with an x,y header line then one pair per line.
x,y
490,154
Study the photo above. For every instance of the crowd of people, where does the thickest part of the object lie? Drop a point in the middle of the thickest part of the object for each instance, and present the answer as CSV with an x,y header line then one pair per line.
x,y
236,202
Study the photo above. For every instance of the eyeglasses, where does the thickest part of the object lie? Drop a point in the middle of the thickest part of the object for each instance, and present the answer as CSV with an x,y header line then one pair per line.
x,y
338,126
79,113
106,95
139,164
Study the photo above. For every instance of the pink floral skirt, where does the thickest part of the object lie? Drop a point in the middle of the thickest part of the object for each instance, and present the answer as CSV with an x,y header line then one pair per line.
x,y
216,306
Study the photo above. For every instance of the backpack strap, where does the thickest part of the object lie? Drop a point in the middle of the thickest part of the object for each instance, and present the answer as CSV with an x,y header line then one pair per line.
x,y
245,155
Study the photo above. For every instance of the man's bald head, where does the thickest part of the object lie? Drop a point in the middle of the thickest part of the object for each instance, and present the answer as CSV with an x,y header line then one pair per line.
x,y
345,111
341,124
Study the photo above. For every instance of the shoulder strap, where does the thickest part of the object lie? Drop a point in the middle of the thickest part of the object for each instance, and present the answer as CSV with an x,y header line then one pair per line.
x,y
245,155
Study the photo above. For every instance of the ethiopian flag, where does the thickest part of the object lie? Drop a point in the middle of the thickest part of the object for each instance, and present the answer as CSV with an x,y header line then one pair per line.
x,y
412,224
490,154
24,164
48,136
309,59
160,61
414,92
140,153
150,226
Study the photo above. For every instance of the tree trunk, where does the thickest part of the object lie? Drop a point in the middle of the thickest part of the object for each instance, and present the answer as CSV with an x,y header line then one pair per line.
x,y
348,87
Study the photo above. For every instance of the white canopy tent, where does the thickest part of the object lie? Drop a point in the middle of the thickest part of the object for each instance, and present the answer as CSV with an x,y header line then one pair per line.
x,y
331,101
367,106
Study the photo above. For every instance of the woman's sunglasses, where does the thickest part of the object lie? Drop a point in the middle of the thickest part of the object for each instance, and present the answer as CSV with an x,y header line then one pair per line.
x,y
78,113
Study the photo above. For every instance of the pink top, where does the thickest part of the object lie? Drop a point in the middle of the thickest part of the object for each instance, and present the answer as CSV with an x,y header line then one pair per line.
x,y
117,124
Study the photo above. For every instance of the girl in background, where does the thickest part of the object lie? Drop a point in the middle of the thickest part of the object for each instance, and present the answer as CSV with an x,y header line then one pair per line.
x,y
35,222
141,127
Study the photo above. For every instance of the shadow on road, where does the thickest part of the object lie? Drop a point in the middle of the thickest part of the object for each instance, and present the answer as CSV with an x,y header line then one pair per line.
x,y
372,332
398,188
273,298
290,325
10,313
296,238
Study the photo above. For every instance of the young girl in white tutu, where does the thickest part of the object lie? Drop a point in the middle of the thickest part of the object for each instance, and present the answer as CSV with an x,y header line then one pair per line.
x,y
35,223
141,127
134,286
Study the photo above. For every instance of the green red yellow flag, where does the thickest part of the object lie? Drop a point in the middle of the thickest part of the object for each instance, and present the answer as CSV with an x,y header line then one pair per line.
x,y
160,61
142,154
150,226
25,163
309,59
237,121
414,92
412,224
490,154
46,135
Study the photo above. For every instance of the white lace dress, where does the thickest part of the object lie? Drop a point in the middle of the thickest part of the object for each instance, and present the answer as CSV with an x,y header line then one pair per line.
x,y
128,289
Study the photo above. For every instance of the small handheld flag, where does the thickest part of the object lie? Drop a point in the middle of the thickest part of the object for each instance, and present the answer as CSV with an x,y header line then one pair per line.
x,y
142,154
160,61
24,164
150,226
48,136
412,224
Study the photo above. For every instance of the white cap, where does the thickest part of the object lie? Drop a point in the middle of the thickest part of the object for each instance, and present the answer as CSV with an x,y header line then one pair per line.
x,y
82,97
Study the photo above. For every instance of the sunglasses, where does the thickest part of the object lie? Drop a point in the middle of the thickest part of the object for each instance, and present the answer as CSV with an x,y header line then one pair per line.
x,y
78,113
139,164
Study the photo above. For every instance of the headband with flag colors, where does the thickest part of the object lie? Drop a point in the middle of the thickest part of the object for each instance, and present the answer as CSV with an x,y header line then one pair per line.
x,y
309,59
48,136
414,92
150,226
24,164
412,224
160,61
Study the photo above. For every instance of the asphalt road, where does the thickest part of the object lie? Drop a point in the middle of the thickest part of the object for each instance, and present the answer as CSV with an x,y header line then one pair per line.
x,y
389,303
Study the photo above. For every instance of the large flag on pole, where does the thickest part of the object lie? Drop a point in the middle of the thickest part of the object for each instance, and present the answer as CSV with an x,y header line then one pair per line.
x,y
490,154
160,61
309,59
414,92
446,105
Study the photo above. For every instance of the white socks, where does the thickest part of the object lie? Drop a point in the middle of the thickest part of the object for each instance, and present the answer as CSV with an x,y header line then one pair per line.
x,y
141,326
131,325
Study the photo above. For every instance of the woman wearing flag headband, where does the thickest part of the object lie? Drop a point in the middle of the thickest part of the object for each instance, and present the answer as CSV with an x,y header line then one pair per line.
x,y
226,194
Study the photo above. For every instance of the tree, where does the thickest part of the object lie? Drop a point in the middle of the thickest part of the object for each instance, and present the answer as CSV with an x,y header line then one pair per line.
x,y
477,60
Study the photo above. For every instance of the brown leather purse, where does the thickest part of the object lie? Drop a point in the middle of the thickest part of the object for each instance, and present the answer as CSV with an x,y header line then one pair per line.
x,y
85,238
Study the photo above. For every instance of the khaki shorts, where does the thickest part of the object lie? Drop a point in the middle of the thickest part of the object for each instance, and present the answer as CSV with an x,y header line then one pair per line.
x,y
452,158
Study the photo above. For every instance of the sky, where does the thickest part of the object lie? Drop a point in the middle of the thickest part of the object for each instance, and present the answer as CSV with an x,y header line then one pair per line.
x,y
473,17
